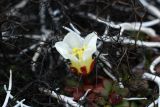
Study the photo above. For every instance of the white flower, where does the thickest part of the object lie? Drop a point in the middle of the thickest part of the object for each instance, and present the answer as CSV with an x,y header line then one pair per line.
x,y
79,51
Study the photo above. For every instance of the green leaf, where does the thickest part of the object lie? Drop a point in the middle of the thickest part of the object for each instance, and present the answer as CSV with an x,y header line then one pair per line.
x,y
123,104
133,104
71,83
101,101
107,106
121,91
107,87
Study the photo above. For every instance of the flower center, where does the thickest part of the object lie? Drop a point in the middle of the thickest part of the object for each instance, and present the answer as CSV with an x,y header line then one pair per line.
x,y
78,52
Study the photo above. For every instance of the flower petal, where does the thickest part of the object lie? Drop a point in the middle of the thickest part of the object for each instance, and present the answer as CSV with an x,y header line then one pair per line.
x,y
90,43
87,54
65,51
72,57
73,40
91,40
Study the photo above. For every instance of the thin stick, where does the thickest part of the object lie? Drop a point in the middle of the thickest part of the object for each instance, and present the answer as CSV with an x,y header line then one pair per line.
x,y
153,64
154,78
68,100
8,91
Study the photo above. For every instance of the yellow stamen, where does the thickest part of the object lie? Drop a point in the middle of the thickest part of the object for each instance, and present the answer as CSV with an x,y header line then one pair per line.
x,y
78,52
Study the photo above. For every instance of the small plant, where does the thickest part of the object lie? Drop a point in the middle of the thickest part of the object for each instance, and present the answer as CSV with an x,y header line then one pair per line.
x,y
79,51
